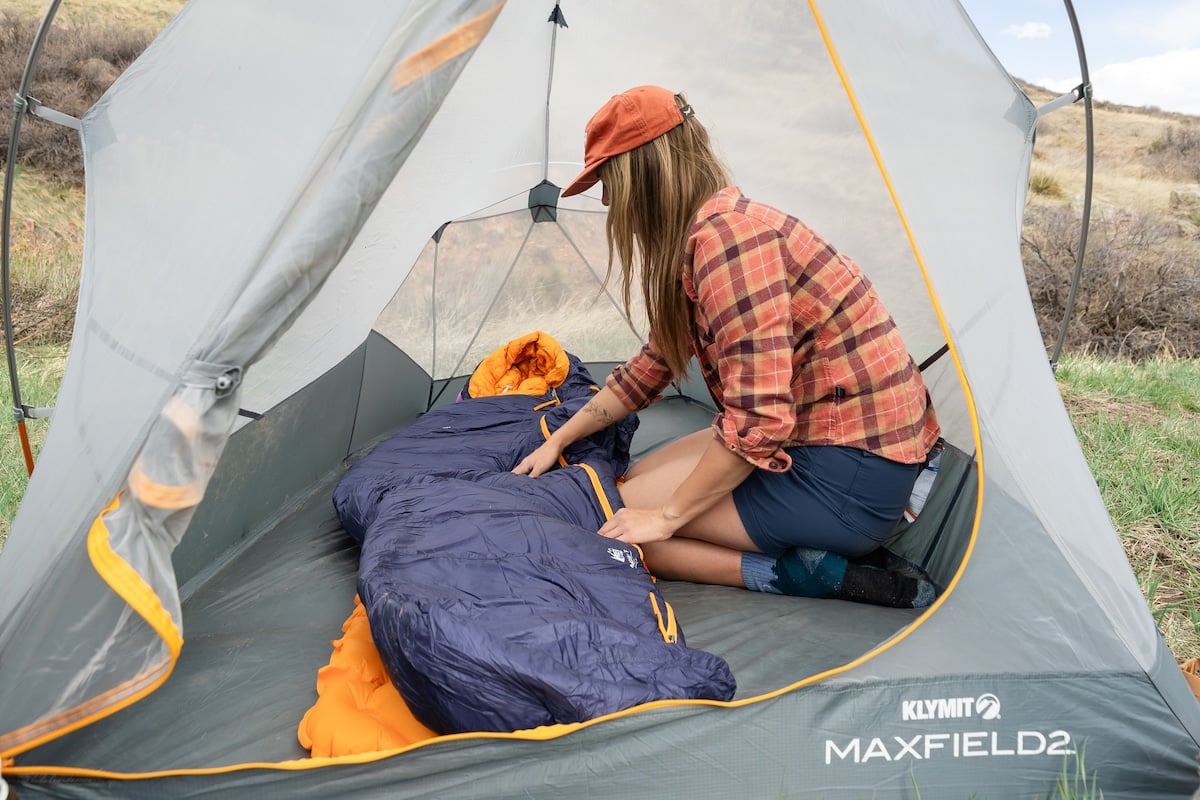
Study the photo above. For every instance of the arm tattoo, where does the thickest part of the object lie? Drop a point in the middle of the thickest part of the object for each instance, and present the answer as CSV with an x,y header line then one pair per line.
x,y
593,408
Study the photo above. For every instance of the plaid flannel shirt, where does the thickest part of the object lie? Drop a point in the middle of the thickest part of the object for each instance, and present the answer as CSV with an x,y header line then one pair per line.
x,y
793,342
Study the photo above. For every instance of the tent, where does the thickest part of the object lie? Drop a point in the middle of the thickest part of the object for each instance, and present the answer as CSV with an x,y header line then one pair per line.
x,y
304,228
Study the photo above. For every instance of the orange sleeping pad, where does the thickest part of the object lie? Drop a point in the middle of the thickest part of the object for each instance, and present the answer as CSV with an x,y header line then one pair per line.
x,y
358,710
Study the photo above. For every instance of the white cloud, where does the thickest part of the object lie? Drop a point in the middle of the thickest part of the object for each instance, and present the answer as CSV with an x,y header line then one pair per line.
x,y
1028,30
1170,81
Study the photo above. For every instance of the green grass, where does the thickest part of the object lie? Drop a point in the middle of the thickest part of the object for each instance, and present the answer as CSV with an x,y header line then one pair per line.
x,y
1140,431
40,369
1074,782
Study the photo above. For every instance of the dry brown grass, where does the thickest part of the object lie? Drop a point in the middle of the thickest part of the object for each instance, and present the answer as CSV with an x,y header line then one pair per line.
x,y
147,15
1086,405
1125,174
77,63
91,42
46,250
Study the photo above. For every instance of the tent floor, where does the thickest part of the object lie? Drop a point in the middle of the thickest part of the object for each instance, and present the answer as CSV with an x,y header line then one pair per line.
x,y
258,629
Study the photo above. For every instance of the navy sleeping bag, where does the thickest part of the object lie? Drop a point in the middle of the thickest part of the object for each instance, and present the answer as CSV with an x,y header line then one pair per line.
x,y
493,602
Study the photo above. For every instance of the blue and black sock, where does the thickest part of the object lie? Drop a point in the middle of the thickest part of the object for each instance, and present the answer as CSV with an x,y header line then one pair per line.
x,y
807,572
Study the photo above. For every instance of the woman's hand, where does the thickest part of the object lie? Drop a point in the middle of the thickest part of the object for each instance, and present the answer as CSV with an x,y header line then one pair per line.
x,y
639,526
539,461
600,411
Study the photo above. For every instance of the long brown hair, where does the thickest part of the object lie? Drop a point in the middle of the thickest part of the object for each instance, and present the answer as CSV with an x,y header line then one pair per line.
x,y
654,192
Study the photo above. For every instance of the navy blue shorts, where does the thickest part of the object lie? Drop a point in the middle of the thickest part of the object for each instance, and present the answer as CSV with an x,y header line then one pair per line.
x,y
841,499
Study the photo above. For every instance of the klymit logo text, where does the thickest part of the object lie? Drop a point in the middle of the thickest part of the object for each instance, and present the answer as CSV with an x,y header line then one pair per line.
x,y
986,706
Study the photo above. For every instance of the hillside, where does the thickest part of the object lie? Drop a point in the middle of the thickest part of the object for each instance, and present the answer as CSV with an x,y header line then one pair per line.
x,y
1142,155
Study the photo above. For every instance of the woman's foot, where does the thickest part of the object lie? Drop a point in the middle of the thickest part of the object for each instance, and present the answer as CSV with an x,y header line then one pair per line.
x,y
807,572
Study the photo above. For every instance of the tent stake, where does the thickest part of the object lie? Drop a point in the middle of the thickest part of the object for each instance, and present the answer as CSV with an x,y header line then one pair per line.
x,y
25,448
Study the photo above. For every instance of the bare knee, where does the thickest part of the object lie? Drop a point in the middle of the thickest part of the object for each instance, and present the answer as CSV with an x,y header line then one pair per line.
x,y
650,489
653,479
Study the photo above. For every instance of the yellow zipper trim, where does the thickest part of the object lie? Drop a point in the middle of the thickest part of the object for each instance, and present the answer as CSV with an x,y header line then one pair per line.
x,y
598,488
160,495
668,629
972,410
115,571
129,585
562,462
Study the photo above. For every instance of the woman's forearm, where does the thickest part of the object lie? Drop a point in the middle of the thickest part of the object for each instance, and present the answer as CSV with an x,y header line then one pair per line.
x,y
602,410
718,473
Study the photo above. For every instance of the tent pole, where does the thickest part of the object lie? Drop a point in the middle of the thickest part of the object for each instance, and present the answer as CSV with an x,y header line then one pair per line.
x,y
20,106
1087,190
560,21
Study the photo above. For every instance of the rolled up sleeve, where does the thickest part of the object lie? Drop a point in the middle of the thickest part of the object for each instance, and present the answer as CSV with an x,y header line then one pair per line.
x,y
641,379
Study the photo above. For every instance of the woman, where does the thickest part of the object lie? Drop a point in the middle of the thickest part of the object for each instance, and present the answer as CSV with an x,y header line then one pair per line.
x,y
824,422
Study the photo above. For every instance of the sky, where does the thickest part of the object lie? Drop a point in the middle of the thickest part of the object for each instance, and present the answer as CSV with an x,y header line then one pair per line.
x,y
1139,52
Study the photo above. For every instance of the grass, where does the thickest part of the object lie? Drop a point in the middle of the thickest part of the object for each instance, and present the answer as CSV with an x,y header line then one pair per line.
x,y
40,369
144,14
1045,184
45,253
1140,430
1074,783
1125,172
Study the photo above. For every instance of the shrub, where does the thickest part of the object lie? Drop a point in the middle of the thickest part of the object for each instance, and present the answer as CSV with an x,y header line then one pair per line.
x,y
75,66
1176,155
1045,184
1137,290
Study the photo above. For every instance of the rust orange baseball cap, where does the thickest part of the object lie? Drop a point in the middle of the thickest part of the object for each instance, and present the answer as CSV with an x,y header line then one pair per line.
x,y
626,121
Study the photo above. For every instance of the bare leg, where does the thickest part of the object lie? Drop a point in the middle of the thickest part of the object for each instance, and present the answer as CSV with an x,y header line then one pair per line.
x,y
693,560
709,548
